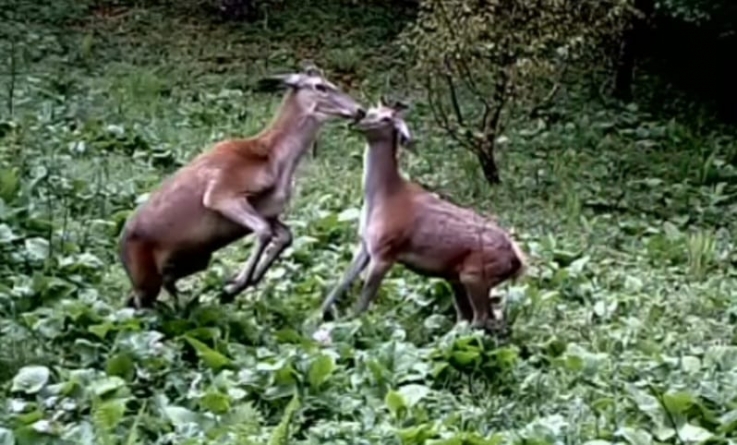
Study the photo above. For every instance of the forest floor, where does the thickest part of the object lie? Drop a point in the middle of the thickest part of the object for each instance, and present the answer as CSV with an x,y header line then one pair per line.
x,y
623,328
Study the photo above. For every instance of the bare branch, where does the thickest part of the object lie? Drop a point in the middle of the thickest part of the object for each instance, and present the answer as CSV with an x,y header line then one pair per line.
x,y
500,97
464,70
453,94
440,116
548,99
436,109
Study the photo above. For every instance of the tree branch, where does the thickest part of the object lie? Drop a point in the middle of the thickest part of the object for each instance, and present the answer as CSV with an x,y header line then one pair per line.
x,y
440,116
547,101
453,95
463,70
491,124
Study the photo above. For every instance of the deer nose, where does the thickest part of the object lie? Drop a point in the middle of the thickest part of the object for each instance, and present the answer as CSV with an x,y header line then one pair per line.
x,y
360,113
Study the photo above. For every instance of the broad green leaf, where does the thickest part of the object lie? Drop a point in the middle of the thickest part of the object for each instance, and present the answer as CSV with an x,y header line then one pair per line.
x,y
211,357
465,358
280,435
9,184
30,379
6,437
724,356
320,370
419,434
101,330
37,249
81,434
678,402
693,434
6,234
647,404
216,402
395,402
121,365
635,436
109,414
180,416
577,266
728,422
349,214
26,435
691,364
413,393
106,385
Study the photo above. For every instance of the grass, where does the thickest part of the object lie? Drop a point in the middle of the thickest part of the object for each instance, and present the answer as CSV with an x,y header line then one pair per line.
x,y
623,330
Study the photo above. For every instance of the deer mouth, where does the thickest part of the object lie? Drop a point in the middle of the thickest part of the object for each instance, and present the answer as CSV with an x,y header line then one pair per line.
x,y
358,115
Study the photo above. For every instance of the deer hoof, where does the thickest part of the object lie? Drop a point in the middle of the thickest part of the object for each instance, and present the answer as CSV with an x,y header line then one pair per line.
x,y
231,290
133,302
329,314
499,329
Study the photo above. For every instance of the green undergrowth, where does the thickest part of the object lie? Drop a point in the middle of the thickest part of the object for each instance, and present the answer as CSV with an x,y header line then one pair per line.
x,y
622,330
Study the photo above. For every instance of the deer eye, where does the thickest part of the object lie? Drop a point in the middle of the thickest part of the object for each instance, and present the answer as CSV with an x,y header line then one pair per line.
x,y
321,88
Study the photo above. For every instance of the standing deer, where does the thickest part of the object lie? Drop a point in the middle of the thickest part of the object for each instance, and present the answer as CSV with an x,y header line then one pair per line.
x,y
402,222
238,187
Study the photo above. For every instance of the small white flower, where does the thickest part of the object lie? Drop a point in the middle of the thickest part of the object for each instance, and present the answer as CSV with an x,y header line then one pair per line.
x,y
322,335
43,426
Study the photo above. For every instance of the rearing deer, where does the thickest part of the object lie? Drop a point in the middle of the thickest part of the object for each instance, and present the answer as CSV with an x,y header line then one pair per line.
x,y
239,186
402,222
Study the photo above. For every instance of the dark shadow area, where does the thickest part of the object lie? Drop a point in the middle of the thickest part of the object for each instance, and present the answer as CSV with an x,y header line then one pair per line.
x,y
694,66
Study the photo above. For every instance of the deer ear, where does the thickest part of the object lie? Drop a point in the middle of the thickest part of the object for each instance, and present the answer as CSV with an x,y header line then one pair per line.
x,y
405,138
400,106
309,68
277,82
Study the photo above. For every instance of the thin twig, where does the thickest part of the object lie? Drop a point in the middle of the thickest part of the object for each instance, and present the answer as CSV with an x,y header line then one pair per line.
x,y
453,95
547,101
500,100
11,84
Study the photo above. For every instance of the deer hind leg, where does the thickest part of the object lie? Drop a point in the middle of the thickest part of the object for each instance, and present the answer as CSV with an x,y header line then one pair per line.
x,y
461,302
239,210
281,241
478,295
499,269
175,270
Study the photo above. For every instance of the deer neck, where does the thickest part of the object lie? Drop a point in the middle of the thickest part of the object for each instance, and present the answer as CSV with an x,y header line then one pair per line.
x,y
381,173
290,134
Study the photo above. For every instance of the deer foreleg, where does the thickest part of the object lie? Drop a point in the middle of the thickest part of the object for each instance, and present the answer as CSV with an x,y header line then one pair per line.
x,y
282,239
358,264
377,269
238,209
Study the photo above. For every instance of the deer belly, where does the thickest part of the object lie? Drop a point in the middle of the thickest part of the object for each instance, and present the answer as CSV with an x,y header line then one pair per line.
x,y
427,264
214,232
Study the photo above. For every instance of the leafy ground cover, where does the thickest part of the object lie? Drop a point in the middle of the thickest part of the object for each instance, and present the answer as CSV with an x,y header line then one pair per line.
x,y
622,331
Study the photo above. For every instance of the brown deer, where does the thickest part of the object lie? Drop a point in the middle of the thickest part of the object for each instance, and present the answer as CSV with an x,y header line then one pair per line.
x,y
401,222
238,187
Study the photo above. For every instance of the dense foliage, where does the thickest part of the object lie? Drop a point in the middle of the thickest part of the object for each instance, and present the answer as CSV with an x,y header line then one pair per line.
x,y
479,62
623,332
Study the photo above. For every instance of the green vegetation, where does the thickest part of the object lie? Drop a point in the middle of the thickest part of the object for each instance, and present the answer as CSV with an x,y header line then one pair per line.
x,y
622,332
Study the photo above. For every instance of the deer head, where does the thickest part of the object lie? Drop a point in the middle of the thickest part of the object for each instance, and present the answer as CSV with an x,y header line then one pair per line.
x,y
315,94
385,119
